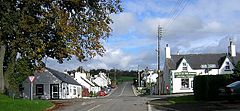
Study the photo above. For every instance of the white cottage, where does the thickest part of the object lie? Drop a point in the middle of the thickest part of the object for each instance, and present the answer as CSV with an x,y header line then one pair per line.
x,y
179,70
101,80
52,84
81,78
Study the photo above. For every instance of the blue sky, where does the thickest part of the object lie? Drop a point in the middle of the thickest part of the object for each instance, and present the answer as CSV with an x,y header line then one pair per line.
x,y
203,26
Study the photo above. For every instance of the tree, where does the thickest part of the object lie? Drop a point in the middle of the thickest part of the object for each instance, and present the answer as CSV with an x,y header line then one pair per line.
x,y
23,69
237,68
53,28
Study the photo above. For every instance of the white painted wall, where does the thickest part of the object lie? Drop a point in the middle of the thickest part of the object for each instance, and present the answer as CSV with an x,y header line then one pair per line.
x,y
176,82
152,78
100,81
222,69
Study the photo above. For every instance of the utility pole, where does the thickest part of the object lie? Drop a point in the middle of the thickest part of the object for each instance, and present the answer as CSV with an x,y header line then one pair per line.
x,y
160,33
115,75
139,78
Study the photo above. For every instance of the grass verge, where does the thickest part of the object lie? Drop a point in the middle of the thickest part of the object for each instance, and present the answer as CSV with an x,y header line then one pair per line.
x,y
8,104
182,99
126,79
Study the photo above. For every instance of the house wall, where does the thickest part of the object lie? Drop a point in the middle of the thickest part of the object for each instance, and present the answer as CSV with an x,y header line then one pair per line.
x,y
69,91
176,83
167,80
100,81
79,79
223,70
44,78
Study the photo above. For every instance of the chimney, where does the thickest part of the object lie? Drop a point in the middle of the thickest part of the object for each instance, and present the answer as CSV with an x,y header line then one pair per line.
x,y
232,49
167,52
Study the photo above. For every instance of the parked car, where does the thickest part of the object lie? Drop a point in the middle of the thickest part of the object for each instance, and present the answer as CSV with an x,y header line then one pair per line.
x,y
231,91
101,93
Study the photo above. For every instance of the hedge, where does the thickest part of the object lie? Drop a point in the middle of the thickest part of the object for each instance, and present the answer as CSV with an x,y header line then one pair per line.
x,y
206,87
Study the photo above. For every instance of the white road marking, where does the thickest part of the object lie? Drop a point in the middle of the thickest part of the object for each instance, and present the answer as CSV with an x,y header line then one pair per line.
x,y
122,90
94,107
149,107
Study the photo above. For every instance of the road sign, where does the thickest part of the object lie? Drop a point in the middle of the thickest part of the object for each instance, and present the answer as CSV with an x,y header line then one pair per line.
x,y
31,78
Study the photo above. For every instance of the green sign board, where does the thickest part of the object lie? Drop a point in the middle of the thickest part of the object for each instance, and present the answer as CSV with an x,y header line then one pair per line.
x,y
184,74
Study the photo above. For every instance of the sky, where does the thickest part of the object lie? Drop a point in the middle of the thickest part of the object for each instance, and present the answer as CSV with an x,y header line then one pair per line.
x,y
189,27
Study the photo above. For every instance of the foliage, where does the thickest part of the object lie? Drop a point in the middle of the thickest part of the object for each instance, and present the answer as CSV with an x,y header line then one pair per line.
x,y
9,104
118,72
23,69
54,28
237,68
206,87
126,78
57,28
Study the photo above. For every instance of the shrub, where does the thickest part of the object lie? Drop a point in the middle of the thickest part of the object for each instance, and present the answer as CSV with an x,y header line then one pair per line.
x,y
206,87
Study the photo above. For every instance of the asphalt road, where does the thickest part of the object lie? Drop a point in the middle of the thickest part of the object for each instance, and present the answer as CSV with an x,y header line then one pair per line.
x,y
122,99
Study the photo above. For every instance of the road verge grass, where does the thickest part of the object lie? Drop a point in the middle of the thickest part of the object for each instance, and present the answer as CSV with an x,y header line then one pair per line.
x,y
10,104
182,99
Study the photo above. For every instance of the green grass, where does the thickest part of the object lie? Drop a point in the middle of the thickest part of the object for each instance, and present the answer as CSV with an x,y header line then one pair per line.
x,y
8,104
182,99
126,79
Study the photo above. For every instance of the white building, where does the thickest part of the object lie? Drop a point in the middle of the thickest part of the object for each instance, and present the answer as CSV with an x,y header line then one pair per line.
x,y
52,84
101,80
81,78
152,78
179,70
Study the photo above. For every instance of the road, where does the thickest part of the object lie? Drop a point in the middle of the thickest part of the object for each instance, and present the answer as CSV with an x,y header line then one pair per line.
x,y
122,99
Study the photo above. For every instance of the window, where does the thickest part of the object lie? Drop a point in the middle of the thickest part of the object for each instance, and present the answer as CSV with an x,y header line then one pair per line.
x,y
185,83
184,64
67,90
39,89
74,90
184,68
191,84
206,71
227,67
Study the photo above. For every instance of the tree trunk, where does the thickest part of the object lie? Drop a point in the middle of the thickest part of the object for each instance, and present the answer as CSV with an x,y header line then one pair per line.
x,y
2,53
10,70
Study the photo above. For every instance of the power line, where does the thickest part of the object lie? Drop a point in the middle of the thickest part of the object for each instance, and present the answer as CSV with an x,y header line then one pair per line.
x,y
173,19
173,12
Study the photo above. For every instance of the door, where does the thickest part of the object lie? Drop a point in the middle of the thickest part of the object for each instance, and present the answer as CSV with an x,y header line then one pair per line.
x,y
54,91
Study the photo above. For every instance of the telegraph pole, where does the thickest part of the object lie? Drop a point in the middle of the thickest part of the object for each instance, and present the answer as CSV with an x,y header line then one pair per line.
x,y
139,77
160,31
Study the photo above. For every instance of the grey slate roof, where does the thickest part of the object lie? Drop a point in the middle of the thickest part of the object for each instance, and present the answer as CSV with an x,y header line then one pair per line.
x,y
196,60
63,77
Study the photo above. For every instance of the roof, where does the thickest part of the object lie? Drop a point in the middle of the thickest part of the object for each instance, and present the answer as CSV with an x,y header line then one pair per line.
x,y
87,81
63,77
196,60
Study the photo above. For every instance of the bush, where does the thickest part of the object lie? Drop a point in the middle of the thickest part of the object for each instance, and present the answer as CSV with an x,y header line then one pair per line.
x,y
206,87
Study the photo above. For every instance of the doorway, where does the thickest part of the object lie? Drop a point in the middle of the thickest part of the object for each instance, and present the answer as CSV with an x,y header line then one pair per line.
x,y
54,91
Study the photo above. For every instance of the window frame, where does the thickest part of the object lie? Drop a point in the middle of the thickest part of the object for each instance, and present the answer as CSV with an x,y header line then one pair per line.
x,y
184,66
227,67
187,81
38,86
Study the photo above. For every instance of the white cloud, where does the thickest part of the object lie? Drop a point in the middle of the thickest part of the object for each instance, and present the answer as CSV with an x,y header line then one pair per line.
x,y
202,27
122,23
